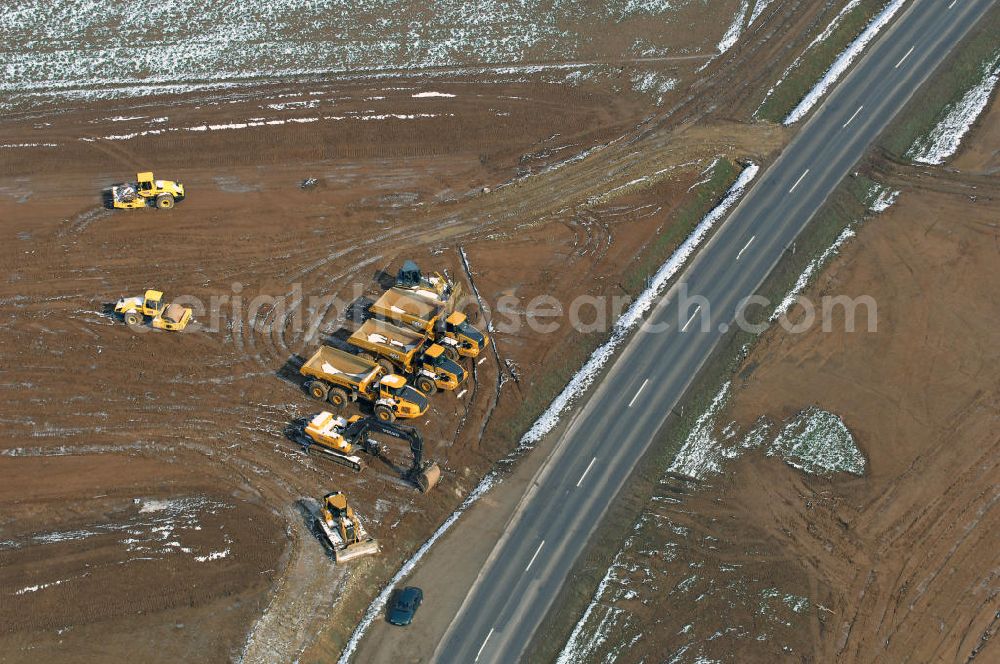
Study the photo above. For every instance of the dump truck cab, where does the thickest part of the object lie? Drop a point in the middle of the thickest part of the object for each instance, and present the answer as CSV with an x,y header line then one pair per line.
x,y
462,336
401,400
447,373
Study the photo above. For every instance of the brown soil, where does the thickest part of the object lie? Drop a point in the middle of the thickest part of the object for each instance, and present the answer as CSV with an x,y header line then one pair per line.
x,y
897,565
101,421
208,414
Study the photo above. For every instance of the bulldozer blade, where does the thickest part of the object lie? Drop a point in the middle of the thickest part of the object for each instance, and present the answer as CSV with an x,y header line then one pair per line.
x,y
356,550
428,478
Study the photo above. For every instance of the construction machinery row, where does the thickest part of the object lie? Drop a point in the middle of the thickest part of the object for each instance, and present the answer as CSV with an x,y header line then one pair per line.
x,y
409,349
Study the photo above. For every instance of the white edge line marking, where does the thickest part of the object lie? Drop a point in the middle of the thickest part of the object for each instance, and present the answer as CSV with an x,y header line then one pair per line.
x,y
853,116
696,310
801,177
461,394
580,481
481,361
902,59
745,246
534,556
641,387
484,644
952,4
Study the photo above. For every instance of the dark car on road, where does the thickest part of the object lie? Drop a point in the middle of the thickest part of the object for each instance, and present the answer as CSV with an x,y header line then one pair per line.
x,y
404,605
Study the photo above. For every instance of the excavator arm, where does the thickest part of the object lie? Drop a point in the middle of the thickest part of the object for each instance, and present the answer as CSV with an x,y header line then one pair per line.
x,y
425,476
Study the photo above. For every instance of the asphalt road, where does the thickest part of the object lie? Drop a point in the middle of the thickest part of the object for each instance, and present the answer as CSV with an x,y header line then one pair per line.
x,y
623,414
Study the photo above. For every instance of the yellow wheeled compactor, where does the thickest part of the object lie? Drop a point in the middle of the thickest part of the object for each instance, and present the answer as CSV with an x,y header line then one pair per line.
x,y
147,191
135,310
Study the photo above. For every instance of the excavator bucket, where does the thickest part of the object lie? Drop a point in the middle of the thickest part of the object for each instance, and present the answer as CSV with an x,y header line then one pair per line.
x,y
428,478
356,550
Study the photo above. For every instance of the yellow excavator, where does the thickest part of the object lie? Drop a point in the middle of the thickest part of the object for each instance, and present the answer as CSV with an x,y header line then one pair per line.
x,y
134,310
343,530
147,190
341,440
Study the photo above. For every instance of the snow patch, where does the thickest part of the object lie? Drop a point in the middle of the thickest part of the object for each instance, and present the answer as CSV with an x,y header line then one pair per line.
x,y
421,95
946,137
884,200
732,35
29,145
40,586
653,83
818,442
214,555
844,61
579,646
758,9
702,454
807,274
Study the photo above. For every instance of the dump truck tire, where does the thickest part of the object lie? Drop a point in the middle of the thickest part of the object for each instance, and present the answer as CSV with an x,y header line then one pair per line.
x,y
387,365
165,201
451,353
337,397
385,414
318,390
426,385
132,319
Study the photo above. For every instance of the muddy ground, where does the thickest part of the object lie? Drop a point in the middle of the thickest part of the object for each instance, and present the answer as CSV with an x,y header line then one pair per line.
x,y
898,563
155,503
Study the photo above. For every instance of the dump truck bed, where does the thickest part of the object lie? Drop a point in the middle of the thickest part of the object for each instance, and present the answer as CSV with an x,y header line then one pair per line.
x,y
381,333
399,304
340,367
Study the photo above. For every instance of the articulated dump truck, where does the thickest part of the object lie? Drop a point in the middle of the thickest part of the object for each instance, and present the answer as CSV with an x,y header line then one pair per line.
x,y
452,331
338,377
410,352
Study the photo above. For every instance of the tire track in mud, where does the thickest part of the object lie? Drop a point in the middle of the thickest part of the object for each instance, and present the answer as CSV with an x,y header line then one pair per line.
x,y
523,201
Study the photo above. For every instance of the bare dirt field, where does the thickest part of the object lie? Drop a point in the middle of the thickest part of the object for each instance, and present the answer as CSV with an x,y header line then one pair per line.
x,y
898,563
154,504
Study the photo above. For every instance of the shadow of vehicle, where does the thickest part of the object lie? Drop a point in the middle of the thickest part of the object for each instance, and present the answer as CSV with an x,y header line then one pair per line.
x,y
384,279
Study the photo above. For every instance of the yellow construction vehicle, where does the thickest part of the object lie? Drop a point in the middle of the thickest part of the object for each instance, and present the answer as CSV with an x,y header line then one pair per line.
x,y
343,530
134,310
147,191
453,332
461,335
325,431
341,440
338,377
408,351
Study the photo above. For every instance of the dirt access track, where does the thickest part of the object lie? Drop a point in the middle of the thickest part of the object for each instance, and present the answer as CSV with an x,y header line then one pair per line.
x,y
155,505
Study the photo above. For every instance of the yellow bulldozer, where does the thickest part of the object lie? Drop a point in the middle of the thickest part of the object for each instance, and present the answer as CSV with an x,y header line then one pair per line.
x,y
147,191
343,530
135,310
